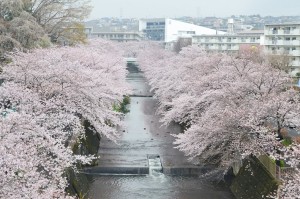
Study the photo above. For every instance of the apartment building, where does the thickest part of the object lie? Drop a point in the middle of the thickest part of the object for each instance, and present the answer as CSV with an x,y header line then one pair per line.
x,y
117,36
228,42
284,39
109,30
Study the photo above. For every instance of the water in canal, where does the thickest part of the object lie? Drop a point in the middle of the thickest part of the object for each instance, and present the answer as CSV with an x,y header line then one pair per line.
x,y
154,187
144,135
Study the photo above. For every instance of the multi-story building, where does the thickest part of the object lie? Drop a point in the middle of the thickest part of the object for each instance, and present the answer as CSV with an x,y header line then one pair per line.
x,y
228,42
117,36
113,30
284,40
154,29
169,30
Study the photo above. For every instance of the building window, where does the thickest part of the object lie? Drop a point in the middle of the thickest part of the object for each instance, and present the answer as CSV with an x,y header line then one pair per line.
x,y
191,32
294,38
243,39
228,39
252,39
287,30
274,31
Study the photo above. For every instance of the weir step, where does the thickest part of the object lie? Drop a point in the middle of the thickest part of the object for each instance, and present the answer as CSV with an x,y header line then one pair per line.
x,y
117,170
177,171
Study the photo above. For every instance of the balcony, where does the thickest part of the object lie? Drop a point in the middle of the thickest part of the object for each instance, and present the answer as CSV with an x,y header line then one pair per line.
x,y
214,47
294,52
282,42
291,43
295,63
296,42
210,40
282,32
274,32
274,42
295,32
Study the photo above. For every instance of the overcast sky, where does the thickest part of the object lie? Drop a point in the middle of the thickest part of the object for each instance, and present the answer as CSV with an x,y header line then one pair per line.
x,y
194,8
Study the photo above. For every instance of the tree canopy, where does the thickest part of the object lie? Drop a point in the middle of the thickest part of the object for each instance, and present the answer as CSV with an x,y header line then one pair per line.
x,y
33,23
230,105
45,97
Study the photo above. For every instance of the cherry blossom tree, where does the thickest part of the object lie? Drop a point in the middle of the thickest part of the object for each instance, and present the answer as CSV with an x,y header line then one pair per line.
x,y
229,104
87,80
33,152
44,99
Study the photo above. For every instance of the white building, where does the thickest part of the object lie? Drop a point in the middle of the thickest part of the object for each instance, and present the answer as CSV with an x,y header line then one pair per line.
x,y
284,39
169,30
115,36
228,42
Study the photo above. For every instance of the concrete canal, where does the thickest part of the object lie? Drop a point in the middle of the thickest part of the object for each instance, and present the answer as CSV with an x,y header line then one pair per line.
x,y
144,164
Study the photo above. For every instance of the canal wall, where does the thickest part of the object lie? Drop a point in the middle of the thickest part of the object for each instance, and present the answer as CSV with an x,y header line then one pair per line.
x,y
253,181
89,145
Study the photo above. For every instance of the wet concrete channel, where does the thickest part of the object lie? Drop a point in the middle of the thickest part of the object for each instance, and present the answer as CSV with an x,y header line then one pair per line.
x,y
123,171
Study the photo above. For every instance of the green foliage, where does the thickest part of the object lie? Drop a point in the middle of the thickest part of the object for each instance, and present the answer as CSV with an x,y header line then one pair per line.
x,y
287,141
126,100
121,107
281,163
73,34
